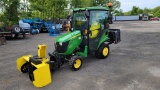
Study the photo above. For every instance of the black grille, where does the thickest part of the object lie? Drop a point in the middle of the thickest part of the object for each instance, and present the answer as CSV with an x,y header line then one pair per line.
x,y
61,48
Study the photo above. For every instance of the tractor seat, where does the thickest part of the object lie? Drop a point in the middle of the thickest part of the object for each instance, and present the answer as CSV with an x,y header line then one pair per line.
x,y
35,60
94,30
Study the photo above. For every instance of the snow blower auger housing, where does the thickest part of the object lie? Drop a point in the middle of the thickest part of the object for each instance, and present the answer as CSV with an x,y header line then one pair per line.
x,y
90,33
37,67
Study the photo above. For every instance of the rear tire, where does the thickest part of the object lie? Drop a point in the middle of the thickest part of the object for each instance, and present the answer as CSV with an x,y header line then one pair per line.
x,y
16,29
103,51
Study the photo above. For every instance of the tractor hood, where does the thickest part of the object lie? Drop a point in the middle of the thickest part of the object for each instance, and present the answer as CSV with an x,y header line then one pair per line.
x,y
68,36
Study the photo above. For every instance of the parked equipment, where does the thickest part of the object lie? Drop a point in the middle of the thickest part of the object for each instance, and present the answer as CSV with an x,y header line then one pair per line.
x,y
89,34
53,29
36,24
145,17
154,19
14,31
25,27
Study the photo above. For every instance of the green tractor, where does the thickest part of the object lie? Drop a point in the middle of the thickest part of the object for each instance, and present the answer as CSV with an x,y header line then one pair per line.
x,y
89,34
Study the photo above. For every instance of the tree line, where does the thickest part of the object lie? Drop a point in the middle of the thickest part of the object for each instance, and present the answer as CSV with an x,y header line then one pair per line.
x,y
155,12
11,11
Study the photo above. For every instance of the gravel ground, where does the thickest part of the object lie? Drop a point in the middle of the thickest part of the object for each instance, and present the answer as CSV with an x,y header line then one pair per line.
x,y
133,64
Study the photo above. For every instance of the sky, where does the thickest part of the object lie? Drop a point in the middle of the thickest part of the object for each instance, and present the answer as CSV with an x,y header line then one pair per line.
x,y
127,5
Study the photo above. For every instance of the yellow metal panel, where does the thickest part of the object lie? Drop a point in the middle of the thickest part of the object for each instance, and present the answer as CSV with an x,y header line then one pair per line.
x,y
22,60
42,50
42,75
26,57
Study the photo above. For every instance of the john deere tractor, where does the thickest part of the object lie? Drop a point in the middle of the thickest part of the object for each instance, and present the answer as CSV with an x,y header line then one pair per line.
x,y
90,34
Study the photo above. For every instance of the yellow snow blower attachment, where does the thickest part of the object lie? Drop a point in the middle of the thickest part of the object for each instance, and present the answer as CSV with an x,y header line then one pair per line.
x,y
37,67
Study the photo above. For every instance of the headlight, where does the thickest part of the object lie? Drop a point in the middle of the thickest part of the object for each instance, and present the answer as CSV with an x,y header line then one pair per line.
x,y
60,43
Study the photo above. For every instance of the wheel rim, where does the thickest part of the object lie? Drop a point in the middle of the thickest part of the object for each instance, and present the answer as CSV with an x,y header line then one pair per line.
x,y
105,51
17,29
77,63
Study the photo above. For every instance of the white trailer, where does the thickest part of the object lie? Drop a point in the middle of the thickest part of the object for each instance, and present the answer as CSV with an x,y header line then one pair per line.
x,y
126,18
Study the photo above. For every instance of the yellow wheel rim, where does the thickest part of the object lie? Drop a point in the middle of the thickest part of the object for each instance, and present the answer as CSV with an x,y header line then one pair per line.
x,y
77,63
105,51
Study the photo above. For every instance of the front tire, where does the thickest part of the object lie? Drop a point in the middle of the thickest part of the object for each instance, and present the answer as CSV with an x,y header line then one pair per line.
x,y
76,63
103,51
